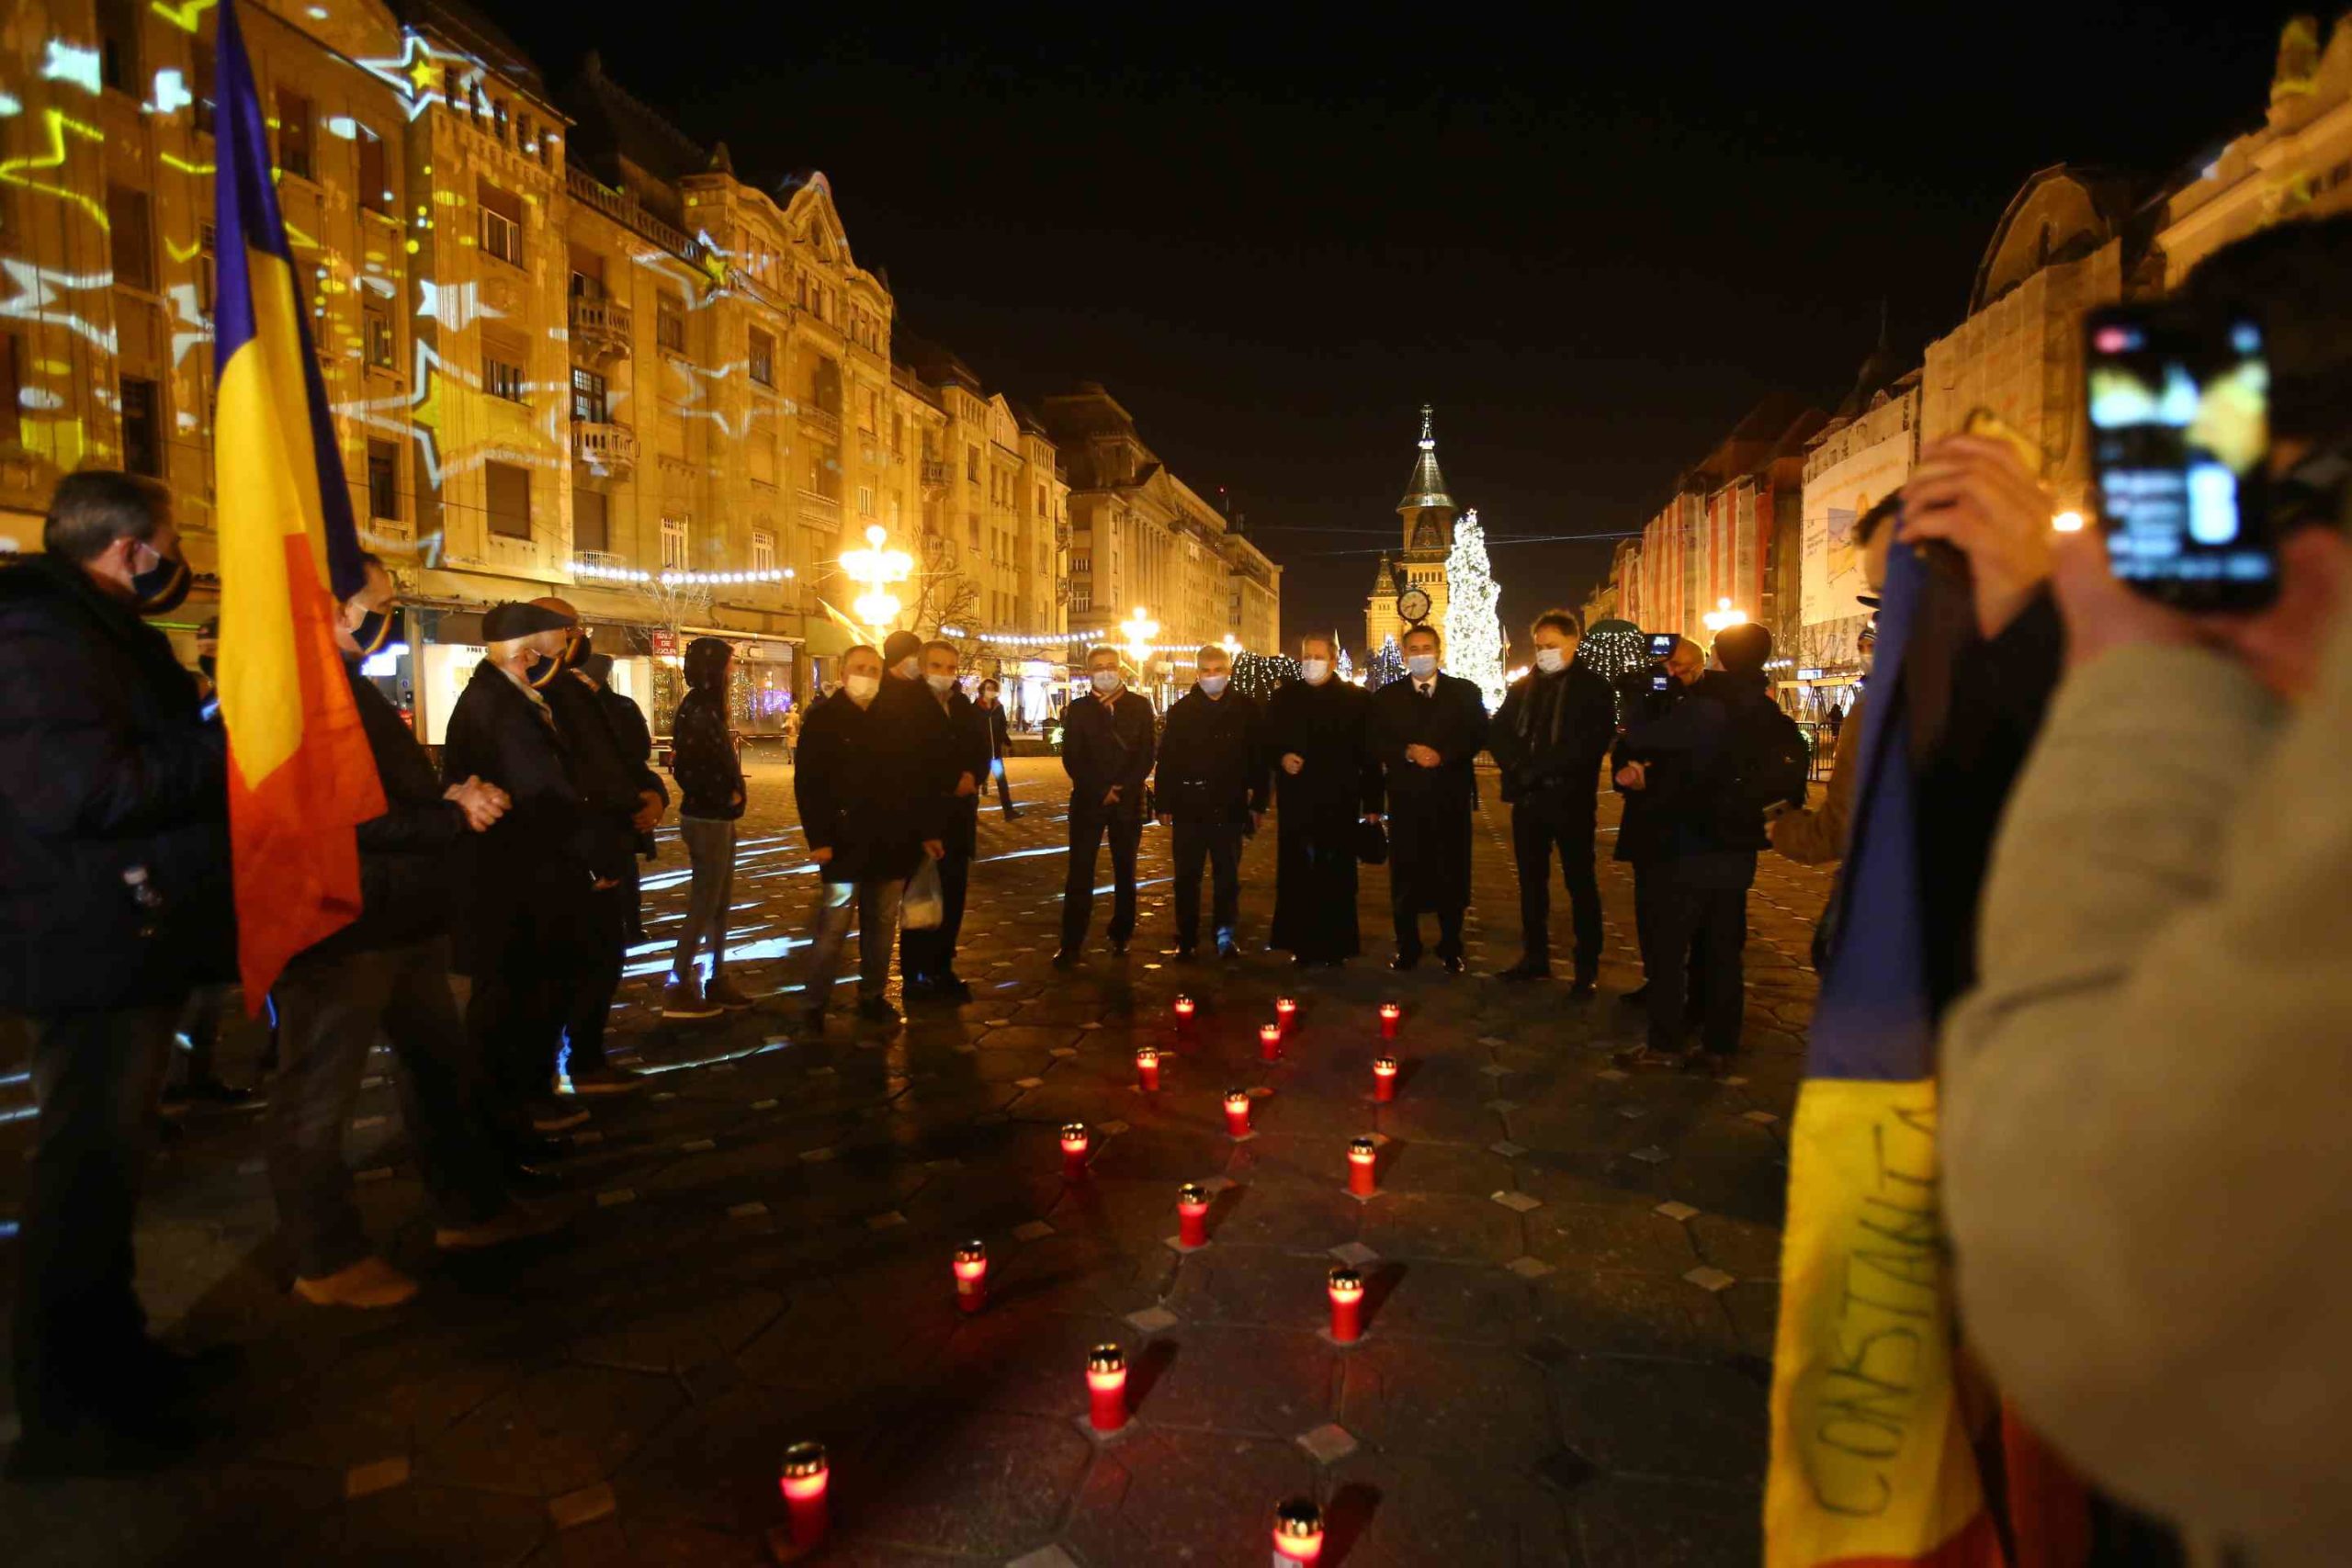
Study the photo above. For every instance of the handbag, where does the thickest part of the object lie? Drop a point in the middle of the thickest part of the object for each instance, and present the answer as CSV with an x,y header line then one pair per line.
x,y
1371,844
922,908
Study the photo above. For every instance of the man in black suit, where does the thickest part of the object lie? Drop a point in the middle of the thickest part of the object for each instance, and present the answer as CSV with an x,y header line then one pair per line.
x,y
1212,791
1549,738
1107,745
927,958
1427,729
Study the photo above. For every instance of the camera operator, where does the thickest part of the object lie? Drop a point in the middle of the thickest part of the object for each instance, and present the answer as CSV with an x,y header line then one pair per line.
x,y
1657,689
2141,1095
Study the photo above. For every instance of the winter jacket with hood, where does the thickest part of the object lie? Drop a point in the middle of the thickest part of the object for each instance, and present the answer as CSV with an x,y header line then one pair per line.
x,y
701,748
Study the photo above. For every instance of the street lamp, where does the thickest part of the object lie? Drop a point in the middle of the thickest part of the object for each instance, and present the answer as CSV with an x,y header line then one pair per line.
x,y
878,568
1231,644
1725,613
1140,631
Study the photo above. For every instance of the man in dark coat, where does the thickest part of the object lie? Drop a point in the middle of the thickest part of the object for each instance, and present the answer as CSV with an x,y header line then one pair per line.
x,y
1211,789
524,883
1549,738
711,797
927,958
114,902
620,800
1107,745
1706,858
1427,730
1640,830
1327,788
869,821
1000,745
385,974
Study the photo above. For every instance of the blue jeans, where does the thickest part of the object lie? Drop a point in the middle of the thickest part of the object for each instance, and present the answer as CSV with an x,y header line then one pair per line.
x,y
710,845
97,1078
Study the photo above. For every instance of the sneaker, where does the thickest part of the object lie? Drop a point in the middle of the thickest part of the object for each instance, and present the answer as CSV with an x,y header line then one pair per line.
x,y
606,1080
683,998
554,1116
1526,969
370,1283
720,991
873,1010
514,1223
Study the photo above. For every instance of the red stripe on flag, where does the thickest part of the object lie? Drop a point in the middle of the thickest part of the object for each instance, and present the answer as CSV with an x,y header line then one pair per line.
x,y
1978,1545
296,857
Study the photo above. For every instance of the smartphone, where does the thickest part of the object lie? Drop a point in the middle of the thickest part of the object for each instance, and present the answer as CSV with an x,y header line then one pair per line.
x,y
1662,645
1661,682
2181,433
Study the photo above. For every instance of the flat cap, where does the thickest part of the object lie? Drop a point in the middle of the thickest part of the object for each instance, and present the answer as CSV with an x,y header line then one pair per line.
x,y
504,623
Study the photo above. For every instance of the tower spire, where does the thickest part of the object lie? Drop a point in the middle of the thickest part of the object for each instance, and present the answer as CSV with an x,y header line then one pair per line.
x,y
1429,440
1426,487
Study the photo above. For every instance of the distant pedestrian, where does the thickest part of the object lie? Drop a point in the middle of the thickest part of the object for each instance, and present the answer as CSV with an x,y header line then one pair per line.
x,y
1327,794
1549,738
1107,745
1428,729
711,797
999,747
1211,789
792,735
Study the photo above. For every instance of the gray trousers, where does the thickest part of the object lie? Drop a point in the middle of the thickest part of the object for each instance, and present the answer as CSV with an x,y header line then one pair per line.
x,y
711,846
875,905
330,1012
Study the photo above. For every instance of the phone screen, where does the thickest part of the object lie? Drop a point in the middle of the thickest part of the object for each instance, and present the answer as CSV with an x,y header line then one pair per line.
x,y
2179,417
1661,682
1661,645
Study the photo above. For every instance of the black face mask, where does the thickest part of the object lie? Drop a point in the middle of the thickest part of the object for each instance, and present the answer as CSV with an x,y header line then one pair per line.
x,y
161,588
376,628
204,661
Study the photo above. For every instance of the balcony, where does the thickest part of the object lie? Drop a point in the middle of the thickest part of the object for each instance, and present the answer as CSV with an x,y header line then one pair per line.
x,y
600,328
623,209
605,448
935,473
820,509
826,427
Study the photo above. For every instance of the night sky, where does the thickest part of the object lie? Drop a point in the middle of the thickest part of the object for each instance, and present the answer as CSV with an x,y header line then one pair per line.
x,y
1592,248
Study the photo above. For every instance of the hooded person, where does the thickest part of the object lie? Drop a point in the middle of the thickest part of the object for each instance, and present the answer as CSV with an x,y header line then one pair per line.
x,y
522,883
711,794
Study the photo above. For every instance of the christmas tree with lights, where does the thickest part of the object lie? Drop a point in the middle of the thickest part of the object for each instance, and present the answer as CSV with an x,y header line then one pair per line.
x,y
1387,665
1255,675
1473,633
1346,668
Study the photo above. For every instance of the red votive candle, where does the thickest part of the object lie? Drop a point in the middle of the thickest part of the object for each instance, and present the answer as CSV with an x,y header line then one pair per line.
x,y
1148,1067
1383,1079
1106,1380
803,1481
1269,1042
972,1276
1184,1016
1236,1112
1299,1533
1074,1142
1347,1305
1192,1214
1362,1155
1389,1013
1286,1014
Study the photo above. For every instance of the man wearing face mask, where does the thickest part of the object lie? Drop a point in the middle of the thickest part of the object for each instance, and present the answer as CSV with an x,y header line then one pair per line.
x,y
1549,738
1641,830
620,798
1427,730
1107,743
868,822
1326,785
114,901
927,958
524,881
1211,790
386,974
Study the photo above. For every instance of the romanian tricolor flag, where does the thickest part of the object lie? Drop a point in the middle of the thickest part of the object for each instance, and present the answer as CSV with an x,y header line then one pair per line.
x,y
1873,1465
300,777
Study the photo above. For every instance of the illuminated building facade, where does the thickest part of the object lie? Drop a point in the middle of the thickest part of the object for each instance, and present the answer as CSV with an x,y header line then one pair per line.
x,y
1142,538
1426,512
568,350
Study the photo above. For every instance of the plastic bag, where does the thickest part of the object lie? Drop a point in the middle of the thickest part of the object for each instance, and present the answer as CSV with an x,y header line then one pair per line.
x,y
922,908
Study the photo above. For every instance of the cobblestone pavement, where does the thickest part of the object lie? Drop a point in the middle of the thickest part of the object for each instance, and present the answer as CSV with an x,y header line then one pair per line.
x,y
1570,1273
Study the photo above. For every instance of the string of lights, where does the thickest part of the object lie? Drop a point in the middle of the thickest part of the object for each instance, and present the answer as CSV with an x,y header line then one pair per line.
x,y
598,572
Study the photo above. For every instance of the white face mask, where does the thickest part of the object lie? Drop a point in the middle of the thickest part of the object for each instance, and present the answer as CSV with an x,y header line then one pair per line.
x,y
1550,661
1421,666
909,666
862,689
942,685
1215,684
1314,671
1105,681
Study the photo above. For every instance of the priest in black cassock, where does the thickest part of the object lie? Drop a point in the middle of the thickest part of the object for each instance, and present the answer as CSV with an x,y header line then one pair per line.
x,y
1325,787
1426,730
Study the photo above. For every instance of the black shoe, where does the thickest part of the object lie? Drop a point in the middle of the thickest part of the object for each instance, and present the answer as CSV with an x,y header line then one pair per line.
x,y
1404,961
1183,954
172,1376
207,1091
1639,996
537,1150
525,1176
1010,815
812,1021
873,1010
136,1445
1584,989
1119,947
951,987
1064,958
919,989
1453,966
1301,961
1526,969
